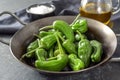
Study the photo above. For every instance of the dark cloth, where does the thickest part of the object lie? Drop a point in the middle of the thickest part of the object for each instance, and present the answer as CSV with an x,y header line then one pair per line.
x,y
9,25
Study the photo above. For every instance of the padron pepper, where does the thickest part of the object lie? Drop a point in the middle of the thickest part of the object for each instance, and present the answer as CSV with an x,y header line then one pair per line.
x,y
80,25
44,33
75,63
84,51
68,45
56,63
32,47
97,51
41,54
64,27
48,41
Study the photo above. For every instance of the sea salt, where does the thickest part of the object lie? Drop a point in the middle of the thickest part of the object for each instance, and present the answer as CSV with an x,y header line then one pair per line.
x,y
41,9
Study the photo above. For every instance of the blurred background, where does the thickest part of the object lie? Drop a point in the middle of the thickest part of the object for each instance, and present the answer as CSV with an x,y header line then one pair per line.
x,y
15,5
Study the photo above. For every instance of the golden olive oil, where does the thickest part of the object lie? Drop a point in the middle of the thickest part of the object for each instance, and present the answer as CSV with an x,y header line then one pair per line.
x,y
101,12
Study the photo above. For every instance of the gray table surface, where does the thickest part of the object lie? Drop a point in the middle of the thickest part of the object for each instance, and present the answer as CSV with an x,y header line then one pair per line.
x,y
10,69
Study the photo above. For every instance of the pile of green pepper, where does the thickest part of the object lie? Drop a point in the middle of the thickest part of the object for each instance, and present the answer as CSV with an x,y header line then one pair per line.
x,y
64,45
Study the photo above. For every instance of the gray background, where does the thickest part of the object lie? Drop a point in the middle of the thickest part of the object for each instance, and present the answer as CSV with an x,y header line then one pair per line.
x,y
15,5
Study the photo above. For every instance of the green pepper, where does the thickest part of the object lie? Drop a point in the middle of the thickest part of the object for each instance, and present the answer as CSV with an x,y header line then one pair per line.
x,y
64,27
68,45
84,50
44,33
41,54
33,45
80,25
97,51
75,63
48,41
56,63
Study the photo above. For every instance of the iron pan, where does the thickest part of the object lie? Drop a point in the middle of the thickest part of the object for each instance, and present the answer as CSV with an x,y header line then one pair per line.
x,y
24,36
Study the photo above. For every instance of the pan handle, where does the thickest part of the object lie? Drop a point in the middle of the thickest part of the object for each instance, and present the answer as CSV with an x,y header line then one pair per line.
x,y
16,17
117,35
115,59
12,14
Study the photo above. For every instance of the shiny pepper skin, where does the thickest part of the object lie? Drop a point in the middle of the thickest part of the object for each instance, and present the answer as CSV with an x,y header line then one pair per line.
x,y
64,27
80,25
57,63
97,51
75,63
84,51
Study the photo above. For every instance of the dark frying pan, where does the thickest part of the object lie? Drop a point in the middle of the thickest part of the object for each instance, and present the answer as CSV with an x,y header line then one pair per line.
x,y
24,36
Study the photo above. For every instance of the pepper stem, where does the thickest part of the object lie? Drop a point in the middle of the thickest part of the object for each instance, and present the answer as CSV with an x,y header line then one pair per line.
x,y
46,27
38,41
59,45
61,37
37,36
79,34
28,53
75,19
